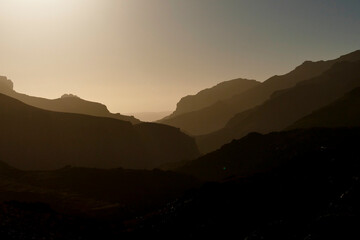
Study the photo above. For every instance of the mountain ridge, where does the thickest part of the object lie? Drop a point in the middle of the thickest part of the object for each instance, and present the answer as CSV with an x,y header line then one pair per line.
x,y
209,96
66,103
287,106
344,112
203,121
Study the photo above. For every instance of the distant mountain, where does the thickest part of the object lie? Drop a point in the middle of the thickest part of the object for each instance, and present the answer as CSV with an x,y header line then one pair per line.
x,y
150,116
207,120
34,139
213,118
210,96
287,106
188,116
67,103
344,112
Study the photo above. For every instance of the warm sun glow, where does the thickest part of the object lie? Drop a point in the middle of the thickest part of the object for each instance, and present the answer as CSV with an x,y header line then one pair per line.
x,y
144,55
154,119
34,9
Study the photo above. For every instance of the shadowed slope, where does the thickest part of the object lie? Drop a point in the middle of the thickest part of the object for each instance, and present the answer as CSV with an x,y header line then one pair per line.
x,y
315,194
33,138
213,118
93,191
159,139
67,103
260,153
344,112
287,106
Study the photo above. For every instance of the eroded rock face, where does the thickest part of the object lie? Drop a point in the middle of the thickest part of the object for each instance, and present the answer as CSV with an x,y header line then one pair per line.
x,y
6,84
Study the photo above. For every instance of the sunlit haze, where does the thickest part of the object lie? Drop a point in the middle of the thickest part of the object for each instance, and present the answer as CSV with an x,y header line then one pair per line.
x,y
144,55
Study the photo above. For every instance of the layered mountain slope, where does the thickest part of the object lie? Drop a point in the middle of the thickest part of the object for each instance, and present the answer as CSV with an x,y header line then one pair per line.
x,y
207,120
213,118
210,96
205,111
344,112
33,138
150,116
286,107
67,103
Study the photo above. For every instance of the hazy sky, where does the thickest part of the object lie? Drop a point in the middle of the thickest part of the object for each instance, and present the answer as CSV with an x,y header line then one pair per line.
x,y
144,55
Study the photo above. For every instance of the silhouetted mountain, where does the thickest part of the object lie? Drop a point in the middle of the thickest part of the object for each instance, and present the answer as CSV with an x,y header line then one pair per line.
x,y
160,141
287,106
208,119
67,103
150,116
210,96
314,194
194,110
345,112
33,138
213,118
6,85
256,153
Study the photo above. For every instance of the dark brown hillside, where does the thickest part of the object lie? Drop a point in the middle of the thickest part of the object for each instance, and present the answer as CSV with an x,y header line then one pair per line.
x,y
256,153
313,194
344,112
90,191
32,138
163,142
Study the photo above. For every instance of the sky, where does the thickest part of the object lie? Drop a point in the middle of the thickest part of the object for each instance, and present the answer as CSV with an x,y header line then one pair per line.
x,y
144,55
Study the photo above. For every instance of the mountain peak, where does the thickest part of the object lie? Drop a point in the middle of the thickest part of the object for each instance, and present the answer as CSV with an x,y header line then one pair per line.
x,y
6,83
212,95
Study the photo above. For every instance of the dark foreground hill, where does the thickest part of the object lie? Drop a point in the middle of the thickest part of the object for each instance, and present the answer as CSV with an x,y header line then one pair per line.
x,y
67,103
313,192
81,203
260,153
286,107
214,117
344,112
33,138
